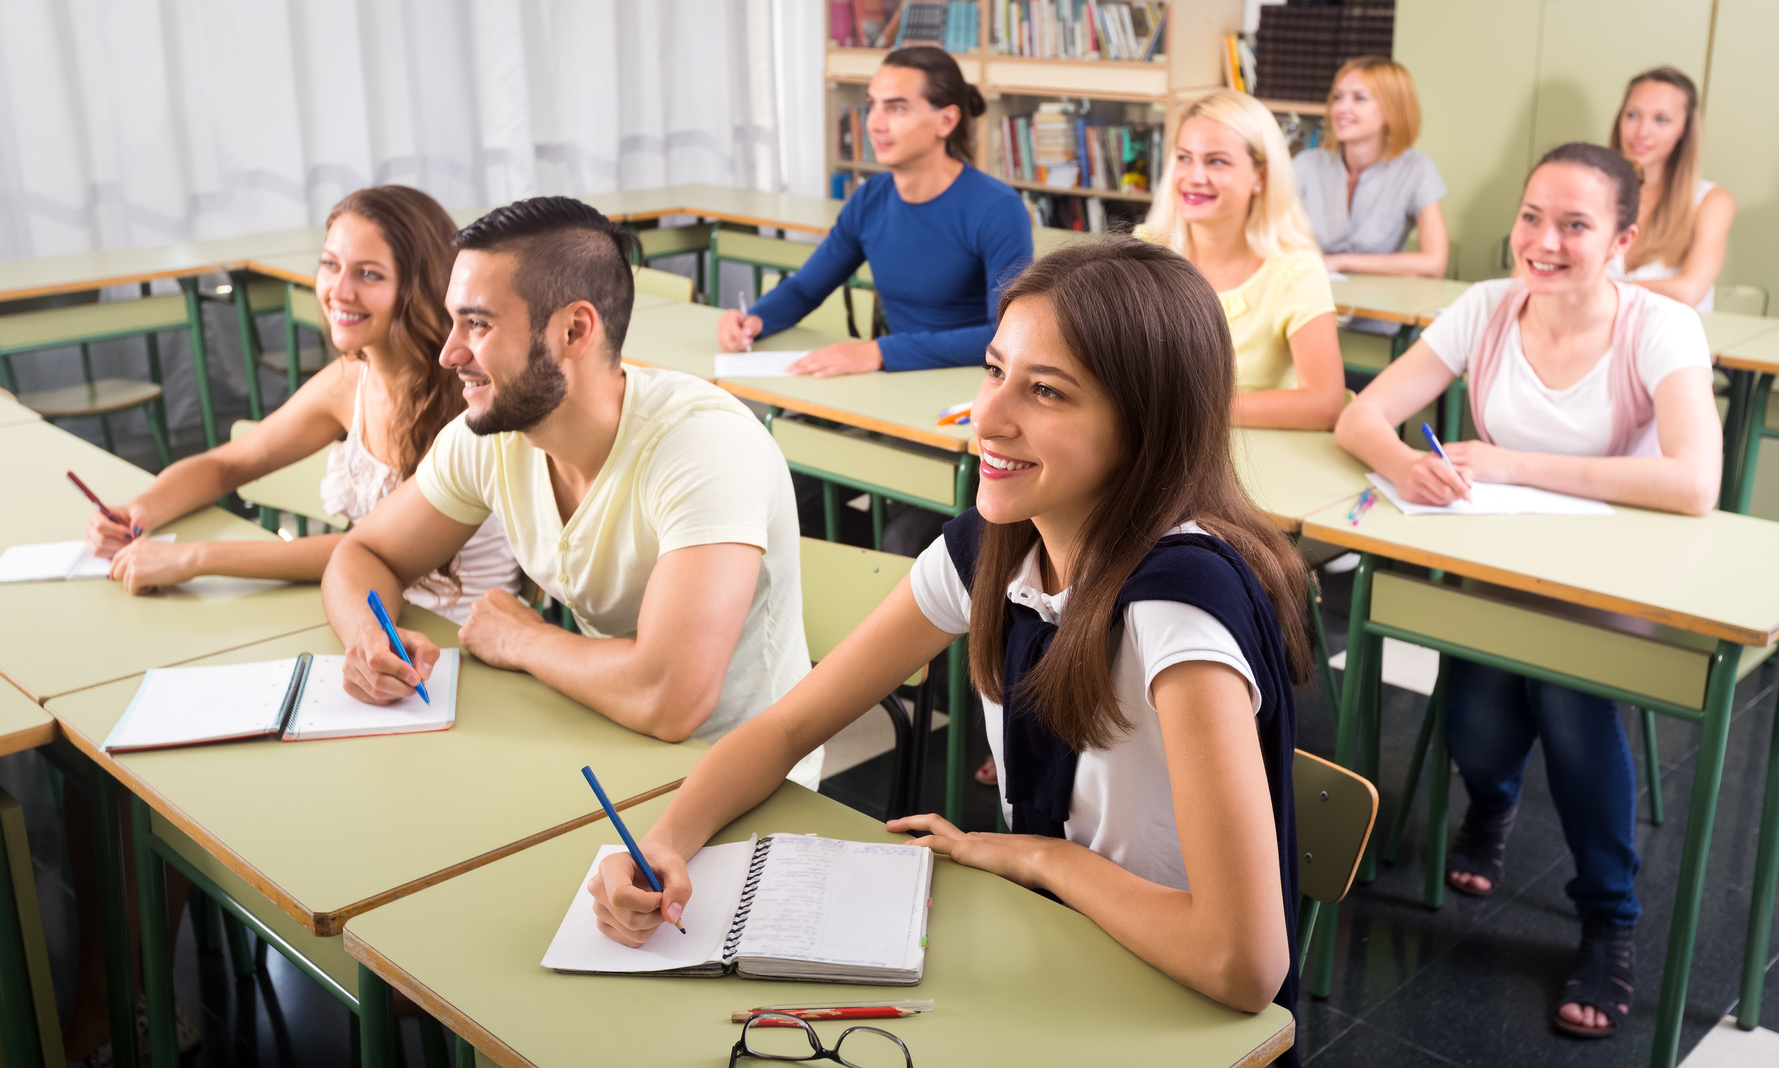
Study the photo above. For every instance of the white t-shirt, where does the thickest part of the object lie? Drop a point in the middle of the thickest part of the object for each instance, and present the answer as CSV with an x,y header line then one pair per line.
x,y
690,466
1656,269
1123,805
1524,414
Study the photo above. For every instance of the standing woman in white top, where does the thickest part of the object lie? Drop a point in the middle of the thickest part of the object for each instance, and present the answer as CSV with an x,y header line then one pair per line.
x,y
1147,780
381,284
1683,221
1581,385
1367,186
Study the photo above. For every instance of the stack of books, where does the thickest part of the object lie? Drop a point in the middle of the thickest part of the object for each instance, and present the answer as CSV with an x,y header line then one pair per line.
x,y
1081,29
1298,48
854,143
1049,148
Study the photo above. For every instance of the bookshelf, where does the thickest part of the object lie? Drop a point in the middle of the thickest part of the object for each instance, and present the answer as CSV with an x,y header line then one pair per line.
x,y
1134,94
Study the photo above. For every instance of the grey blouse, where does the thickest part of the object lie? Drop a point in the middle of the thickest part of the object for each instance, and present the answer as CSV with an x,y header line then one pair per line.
x,y
1390,195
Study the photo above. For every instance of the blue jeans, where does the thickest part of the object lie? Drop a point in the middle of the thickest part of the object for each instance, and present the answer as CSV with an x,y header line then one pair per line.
x,y
1491,718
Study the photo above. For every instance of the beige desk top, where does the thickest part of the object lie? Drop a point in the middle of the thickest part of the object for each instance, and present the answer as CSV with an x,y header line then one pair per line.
x,y
1016,979
82,271
356,822
1727,330
1292,473
1756,352
60,636
23,722
298,266
13,413
747,207
1399,300
1685,572
683,337
905,404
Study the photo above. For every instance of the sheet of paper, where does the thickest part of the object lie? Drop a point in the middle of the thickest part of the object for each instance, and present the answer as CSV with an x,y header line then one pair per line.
x,y
187,705
328,711
717,873
53,561
756,364
1497,498
855,903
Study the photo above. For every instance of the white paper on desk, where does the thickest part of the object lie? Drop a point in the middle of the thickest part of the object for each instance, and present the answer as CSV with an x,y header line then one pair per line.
x,y
328,711
55,561
1497,498
756,364
717,873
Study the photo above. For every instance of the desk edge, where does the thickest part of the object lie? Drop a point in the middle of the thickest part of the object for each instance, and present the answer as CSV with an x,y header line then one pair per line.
x,y
446,1013
855,419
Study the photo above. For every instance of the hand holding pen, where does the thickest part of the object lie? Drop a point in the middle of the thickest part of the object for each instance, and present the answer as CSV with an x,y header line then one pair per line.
x,y
1434,479
107,530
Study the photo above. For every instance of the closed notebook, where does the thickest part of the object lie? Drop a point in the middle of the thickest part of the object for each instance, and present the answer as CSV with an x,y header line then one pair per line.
x,y
296,699
784,906
55,561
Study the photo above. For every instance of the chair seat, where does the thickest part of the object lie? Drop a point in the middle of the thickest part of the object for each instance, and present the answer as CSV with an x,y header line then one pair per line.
x,y
101,398
310,360
30,331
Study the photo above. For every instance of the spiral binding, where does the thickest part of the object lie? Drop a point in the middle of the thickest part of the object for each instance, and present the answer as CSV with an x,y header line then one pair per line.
x,y
756,867
293,696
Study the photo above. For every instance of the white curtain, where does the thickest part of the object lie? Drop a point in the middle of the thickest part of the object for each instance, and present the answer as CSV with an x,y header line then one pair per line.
x,y
133,123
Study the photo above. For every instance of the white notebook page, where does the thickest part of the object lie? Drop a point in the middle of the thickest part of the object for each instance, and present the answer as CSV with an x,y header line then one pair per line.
x,y
756,364
854,903
1497,498
328,711
717,873
182,706
52,561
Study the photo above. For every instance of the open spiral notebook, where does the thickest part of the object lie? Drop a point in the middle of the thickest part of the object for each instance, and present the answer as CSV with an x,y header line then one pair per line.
x,y
784,906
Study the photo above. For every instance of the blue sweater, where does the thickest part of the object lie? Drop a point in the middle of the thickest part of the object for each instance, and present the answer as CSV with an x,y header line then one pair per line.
x,y
939,267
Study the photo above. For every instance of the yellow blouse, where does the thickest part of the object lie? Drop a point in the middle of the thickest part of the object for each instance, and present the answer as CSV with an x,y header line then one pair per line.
x,y
1274,303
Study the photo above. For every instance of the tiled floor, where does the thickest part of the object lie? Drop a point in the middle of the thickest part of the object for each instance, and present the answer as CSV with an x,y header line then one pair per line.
x,y
1470,983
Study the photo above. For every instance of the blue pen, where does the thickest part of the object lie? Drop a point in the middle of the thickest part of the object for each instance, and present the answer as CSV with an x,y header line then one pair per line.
x,y
624,832
376,604
1433,440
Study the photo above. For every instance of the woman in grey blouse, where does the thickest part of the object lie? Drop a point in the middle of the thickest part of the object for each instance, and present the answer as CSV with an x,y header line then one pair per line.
x,y
1367,187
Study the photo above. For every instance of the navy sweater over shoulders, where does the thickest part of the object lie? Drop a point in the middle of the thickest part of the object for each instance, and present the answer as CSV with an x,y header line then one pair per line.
x,y
939,267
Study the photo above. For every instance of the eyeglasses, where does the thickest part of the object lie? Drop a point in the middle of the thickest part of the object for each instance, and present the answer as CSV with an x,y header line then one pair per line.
x,y
779,1036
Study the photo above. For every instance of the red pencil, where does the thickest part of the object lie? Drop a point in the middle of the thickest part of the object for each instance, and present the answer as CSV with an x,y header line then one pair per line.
x,y
94,497
872,1012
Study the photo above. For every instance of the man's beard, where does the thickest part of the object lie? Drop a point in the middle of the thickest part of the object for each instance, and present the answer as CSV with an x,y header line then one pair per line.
x,y
524,402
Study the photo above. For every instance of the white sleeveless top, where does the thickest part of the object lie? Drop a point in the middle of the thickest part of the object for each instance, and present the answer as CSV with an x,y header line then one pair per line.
x,y
1657,269
354,484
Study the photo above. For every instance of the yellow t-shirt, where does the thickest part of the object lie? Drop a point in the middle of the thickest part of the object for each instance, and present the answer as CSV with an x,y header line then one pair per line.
x,y
690,466
1274,303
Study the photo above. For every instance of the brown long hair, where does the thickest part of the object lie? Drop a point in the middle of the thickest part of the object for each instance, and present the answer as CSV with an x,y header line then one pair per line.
x,y
945,87
1670,231
1150,329
419,233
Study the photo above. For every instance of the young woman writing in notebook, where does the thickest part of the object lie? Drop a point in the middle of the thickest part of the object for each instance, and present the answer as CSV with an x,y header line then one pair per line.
x,y
1581,385
1228,202
381,285
1683,221
1145,752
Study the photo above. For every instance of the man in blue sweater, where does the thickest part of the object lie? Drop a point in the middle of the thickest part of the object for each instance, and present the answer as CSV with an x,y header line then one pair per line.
x,y
942,238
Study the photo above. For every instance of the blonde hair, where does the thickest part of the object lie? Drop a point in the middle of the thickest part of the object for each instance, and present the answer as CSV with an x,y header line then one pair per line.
x,y
1670,231
1277,224
1394,89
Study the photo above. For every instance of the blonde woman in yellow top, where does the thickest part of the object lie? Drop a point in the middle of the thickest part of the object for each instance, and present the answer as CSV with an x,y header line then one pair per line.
x,y
1228,202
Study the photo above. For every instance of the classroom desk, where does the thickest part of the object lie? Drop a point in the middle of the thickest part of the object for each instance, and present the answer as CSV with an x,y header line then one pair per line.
x,y
1751,362
1576,601
1016,978
30,1030
1409,301
744,207
61,636
85,271
683,337
13,413
1293,473
903,404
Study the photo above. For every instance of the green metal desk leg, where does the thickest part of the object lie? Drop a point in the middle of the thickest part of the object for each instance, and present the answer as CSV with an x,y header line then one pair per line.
x,y
1652,768
1324,670
120,978
19,1041
466,1053
957,727
1406,803
432,1043
200,365
157,956
1756,416
1760,910
1371,728
1439,799
831,511
1347,729
1320,982
249,342
376,1019
1736,428
1708,776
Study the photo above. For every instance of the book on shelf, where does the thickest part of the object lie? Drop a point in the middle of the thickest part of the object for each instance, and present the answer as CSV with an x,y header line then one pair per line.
x,y
923,23
962,21
841,31
1298,49
1088,214
1049,148
854,143
1080,29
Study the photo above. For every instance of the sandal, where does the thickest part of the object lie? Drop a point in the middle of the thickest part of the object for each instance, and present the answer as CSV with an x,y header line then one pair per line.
x,y
986,774
1605,968
1480,849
